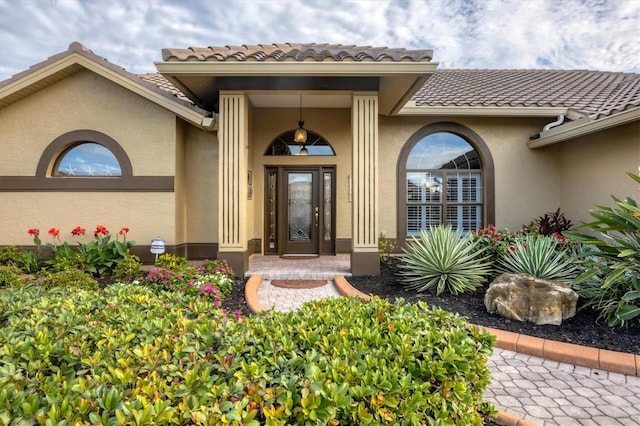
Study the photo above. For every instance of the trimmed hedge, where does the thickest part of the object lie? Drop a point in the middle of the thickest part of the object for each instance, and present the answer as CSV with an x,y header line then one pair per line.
x,y
126,355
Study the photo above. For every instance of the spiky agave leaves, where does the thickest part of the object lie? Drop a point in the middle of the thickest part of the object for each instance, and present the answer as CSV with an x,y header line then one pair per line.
x,y
445,259
540,257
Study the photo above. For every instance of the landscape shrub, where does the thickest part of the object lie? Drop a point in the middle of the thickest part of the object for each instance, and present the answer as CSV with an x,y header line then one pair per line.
x,y
494,243
213,279
126,355
539,256
553,223
444,259
128,269
611,274
10,276
171,261
70,278
11,256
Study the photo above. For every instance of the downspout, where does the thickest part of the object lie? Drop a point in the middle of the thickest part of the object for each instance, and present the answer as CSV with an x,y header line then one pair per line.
x,y
558,122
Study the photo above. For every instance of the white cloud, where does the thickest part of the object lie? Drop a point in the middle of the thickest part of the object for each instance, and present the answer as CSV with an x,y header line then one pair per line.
x,y
585,34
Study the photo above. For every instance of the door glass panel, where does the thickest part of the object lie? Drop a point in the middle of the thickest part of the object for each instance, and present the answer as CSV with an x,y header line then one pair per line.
x,y
300,206
327,207
272,211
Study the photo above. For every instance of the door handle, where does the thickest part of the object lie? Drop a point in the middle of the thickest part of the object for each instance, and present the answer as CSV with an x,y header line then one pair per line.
x,y
317,215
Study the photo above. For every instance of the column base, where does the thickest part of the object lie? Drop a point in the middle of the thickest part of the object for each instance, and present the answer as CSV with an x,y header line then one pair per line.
x,y
365,263
237,260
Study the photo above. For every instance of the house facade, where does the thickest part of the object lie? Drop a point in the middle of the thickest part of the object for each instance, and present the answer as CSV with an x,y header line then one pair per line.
x,y
305,148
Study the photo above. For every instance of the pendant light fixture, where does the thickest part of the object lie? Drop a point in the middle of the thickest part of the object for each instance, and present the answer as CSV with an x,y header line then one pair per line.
x,y
300,136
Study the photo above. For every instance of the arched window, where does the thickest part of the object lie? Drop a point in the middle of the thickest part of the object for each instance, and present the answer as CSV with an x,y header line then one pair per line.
x,y
443,173
284,145
87,159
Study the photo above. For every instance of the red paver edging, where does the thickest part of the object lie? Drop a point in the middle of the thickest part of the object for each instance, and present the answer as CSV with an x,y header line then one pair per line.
x,y
251,293
346,289
615,362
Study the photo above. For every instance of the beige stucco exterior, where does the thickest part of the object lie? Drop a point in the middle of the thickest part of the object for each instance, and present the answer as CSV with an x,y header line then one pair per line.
x,y
573,175
592,168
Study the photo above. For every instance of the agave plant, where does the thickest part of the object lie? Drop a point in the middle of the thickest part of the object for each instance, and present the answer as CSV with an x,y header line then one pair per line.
x,y
541,257
445,259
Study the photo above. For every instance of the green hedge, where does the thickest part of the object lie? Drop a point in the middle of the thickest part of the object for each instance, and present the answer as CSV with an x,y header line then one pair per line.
x,y
128,356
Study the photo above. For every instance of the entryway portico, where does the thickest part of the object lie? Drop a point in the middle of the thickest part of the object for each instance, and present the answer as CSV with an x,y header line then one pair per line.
x,y
256,92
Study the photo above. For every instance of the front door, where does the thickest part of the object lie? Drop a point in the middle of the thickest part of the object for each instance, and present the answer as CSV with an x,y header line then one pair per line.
x,y
300,216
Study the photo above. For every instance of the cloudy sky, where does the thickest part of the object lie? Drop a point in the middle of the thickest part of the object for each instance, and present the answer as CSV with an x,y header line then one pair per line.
x,y
567,34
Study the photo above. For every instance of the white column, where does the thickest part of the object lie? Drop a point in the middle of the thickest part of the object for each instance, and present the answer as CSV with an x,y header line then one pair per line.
x,y
364,124
232,178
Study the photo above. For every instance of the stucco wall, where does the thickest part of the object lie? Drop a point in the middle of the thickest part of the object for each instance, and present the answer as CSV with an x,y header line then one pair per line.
x,y
86,101
201,186
147,215
592,168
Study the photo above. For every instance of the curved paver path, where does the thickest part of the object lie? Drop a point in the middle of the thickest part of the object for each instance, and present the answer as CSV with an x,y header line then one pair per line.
x,y
530,383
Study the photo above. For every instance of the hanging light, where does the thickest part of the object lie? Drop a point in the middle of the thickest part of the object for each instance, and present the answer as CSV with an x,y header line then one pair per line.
x,y
300,136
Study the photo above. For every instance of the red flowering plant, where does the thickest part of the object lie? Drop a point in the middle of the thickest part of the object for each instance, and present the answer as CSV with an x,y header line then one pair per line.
x,y
32,260
98,256
495,242
102,254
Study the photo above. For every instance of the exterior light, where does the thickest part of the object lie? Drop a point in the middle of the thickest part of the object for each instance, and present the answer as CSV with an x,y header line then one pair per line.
x,y
300,136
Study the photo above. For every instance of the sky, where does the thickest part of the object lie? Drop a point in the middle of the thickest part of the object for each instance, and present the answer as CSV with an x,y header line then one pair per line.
x,y
498,34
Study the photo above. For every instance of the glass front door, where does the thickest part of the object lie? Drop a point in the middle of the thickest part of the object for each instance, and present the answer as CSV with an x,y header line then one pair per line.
x,y
300,210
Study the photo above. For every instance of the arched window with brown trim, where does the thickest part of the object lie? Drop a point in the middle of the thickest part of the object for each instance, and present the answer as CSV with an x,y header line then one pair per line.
x,y
445,176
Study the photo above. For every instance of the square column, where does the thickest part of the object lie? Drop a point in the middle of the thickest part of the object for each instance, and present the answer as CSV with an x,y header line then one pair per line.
x,y
365,259
233,142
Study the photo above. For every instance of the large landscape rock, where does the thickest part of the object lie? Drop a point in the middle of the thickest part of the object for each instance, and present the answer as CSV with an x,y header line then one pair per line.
x,y
526,298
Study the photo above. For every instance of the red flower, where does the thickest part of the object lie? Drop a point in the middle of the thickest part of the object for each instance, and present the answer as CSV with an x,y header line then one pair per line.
x,y
78,230
124,230
100,230
34,232
54,232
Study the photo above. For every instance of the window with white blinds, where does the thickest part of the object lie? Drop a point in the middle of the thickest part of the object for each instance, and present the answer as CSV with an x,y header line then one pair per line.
x,y
443,184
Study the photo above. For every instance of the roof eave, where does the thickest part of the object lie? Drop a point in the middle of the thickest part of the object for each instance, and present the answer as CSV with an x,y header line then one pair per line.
x,y
399,80
49,71
582,127
411,109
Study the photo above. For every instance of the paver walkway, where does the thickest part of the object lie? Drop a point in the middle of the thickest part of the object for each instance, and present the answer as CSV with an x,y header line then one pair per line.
x,y
539,391
552,393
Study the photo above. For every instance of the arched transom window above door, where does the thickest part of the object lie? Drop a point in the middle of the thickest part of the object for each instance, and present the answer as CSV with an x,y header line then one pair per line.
x,y
284,144
442,180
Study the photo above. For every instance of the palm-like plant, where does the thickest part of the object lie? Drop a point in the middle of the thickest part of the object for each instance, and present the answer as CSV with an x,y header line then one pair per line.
x,y
541,257
611,278
445,259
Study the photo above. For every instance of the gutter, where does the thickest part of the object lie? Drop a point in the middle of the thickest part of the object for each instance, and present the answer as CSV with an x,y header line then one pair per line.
x,y
581,127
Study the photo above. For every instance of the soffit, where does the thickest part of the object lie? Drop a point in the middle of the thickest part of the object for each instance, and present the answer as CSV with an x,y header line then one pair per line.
x,y
201,73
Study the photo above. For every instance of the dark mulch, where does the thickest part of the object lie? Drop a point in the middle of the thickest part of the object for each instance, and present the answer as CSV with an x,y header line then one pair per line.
x,y
583,329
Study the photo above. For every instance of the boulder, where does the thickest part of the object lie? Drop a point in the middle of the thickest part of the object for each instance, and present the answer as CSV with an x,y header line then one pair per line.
x,y
526,298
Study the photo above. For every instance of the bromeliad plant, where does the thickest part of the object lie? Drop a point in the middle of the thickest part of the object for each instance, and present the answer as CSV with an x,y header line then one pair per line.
x,y
541,257
610,281
444,259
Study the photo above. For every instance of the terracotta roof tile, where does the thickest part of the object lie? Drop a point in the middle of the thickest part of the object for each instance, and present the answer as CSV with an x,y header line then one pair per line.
x,y
296,52
593,93
160,82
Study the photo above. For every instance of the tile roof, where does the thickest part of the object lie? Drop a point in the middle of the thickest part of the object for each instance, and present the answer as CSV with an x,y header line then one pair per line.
x,y
162,83
593,93
281,52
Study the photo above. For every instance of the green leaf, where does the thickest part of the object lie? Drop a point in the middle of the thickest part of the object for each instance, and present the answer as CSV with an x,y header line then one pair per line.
x,y
628,312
